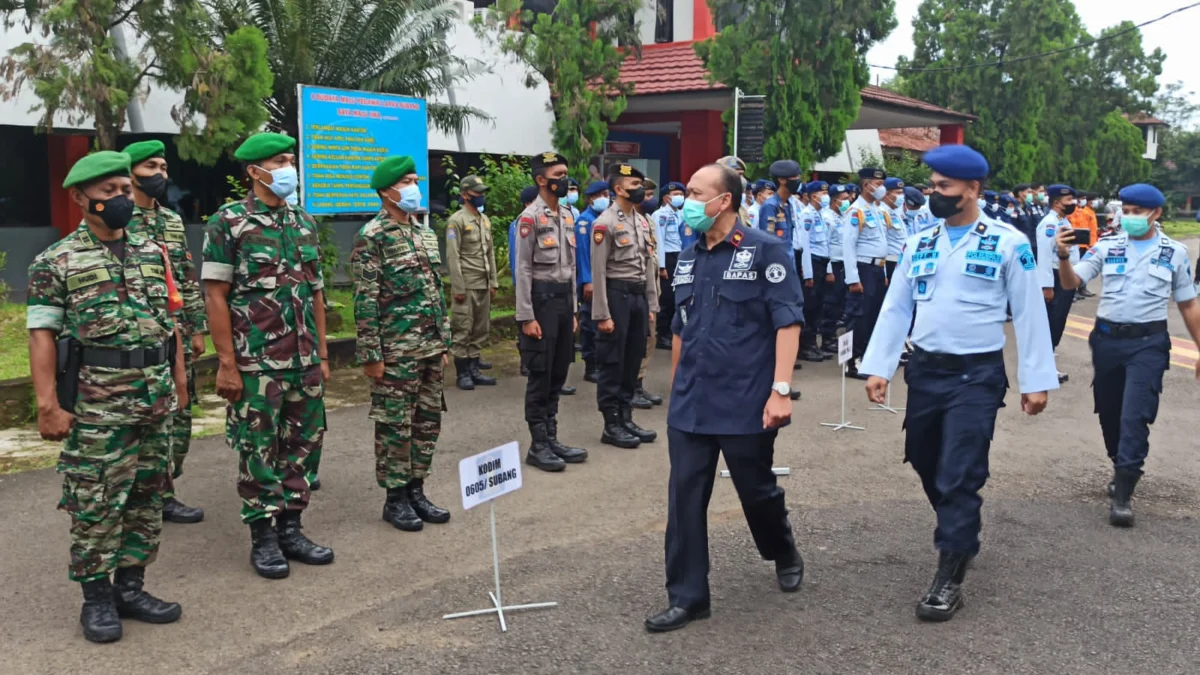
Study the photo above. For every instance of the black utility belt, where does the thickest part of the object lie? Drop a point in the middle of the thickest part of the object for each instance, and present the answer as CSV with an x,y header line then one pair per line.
x,y
954,362
551,287
122,358
634,287
1129,330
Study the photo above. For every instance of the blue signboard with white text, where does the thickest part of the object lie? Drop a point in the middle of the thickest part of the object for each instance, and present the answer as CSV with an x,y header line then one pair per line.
x,y
344,135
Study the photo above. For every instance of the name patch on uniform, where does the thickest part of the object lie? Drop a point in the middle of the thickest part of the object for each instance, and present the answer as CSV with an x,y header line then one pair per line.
x,y
309,239
155,271
393,251
174,225
259,239
776,273
175,237
85,279
981,271
681,279
741,266
1026,258
984,256
921,256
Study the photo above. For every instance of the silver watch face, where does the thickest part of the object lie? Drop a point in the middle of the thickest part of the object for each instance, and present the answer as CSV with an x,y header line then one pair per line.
x,y
782,388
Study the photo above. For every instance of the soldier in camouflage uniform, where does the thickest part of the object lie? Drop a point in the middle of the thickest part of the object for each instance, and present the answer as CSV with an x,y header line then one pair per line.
x,y
403,335
154,221
266,311
104,291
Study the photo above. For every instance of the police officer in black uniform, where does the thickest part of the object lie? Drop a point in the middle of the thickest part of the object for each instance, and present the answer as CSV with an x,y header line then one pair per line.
x,y
737,296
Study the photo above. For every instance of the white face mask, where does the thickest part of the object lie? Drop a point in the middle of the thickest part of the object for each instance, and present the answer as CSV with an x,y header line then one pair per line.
x,y
879,193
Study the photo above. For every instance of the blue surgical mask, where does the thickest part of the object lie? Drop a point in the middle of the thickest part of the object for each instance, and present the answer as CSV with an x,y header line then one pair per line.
x,y
600,204
293,199
677,201
283,181
410,198
694,214
824,201
572,197
982,204
1136,226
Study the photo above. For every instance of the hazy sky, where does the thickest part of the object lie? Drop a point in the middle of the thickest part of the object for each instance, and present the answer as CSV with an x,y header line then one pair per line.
x,y
1178,35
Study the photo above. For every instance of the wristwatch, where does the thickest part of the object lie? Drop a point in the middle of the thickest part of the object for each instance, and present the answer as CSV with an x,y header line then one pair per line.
x,y
782,388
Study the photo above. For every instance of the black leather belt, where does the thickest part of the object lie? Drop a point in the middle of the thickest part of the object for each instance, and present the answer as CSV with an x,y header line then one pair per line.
x,y
954,362
551,287
1130,330
121,358
634,287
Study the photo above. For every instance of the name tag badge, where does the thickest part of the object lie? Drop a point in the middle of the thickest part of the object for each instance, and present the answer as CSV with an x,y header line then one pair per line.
x,y
984,257
981,271
1114,265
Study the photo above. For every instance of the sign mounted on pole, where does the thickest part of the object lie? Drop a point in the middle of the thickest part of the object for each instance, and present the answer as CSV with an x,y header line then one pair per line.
x,y
749,134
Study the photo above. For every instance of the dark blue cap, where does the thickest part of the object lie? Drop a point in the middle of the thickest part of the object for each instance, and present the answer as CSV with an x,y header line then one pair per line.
x,y
817,186
893,184
960,162
913,197
804,188
529,194
785,168
1056,191
837,189
595,187
989,196
1008,200
762,184
850,187
1143,195
571,182
870,172
673,185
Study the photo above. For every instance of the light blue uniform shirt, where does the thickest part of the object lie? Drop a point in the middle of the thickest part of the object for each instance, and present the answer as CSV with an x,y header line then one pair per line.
x,y
959,293
1047,249
667,223
865,241
752,213
1140,278
833,222
818,232
896,233
919,220
798,232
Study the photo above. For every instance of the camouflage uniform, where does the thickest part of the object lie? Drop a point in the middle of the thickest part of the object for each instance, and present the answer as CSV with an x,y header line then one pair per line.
x,y
114,462
401,320
271,259
164,226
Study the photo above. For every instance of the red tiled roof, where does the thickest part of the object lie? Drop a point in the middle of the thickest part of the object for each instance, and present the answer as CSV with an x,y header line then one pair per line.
x,y
1145,119
673,68
916,139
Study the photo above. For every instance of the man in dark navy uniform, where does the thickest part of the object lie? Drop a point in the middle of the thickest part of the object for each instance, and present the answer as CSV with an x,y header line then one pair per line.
x,y
739,310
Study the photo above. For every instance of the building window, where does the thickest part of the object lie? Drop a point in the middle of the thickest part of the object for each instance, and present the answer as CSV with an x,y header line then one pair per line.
x,y
664,21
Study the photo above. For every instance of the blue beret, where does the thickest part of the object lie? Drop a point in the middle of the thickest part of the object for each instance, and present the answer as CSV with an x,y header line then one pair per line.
x,y
531,193
596,187
868,172
763,184
785,168
571,182
989,196
837,189
1143,195
913,196
957,161
818,186
850,187
1008,200
893,184
1056,191
673,185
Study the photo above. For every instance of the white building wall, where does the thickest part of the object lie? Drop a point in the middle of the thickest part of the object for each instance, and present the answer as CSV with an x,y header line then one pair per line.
x,y
683,24
646,19
1151,143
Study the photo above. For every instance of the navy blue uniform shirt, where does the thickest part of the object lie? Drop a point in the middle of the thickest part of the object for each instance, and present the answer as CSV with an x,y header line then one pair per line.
x,y
730,300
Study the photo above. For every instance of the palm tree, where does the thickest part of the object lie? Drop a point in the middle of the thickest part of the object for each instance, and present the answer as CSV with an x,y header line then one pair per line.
x,y
386,46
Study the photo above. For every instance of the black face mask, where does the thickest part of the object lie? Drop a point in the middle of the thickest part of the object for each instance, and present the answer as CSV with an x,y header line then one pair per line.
x,y
115,212
558,186
793,186
478,201
155,186
1068,209
944,206
637,195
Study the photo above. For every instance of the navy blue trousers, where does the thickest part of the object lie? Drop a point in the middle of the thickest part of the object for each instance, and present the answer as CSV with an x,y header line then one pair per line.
x,y
1058,309
1126,387
949,422
862,309
693,470
834,304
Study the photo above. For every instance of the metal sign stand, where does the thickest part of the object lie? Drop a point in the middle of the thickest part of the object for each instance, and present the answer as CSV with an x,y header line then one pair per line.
x,y
497,603
845,353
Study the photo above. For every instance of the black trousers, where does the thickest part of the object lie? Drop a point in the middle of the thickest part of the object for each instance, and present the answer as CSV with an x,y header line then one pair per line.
x,y
619,353
1058,309
666,300
814,300
693,470
869,302
548,359
834,305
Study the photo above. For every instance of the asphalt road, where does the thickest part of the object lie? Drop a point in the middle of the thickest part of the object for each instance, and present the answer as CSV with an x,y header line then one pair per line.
x,y
1055,590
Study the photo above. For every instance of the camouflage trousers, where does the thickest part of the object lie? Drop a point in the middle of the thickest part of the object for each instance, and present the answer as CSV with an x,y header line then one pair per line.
x,y
277,429
181,432
113,481
407,409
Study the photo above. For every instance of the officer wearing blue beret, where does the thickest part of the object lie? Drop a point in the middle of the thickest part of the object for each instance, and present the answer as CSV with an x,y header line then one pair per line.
x,y
917,217
1061,204
668,221
865,246
966,268
762,189
1143,270
893,202
736,332
834,304
572,198
817,236
597,199
1007,211
777,213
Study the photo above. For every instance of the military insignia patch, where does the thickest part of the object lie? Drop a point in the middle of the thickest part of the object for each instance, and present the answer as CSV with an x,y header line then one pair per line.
x,y
776,273
1025,256
598,234
543,219
549,157
548,242
626,170
737,238
524,230
451,233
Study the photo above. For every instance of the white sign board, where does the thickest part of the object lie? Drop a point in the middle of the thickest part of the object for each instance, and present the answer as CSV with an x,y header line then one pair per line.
x,y
490,474
846,347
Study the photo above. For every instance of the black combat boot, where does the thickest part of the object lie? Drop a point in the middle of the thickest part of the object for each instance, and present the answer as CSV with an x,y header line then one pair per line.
x,y
654,399
565,452
643,435
663,342
463,379
829,345
99,617
398,510
478,377
265,555
615,432
314,484
541,454
483,365
639,401
425,509
589,372
295,545
175,511
808,348
1120,513
789,570
945,596
567,390
134,603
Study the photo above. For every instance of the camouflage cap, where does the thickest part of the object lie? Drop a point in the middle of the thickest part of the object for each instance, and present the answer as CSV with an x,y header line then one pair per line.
x,y
472,184
144,150
97,165
391,170
264,146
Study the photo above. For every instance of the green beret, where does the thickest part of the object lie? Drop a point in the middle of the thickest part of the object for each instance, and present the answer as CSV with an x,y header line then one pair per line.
x,y
263,146
98,165
391,170
144,150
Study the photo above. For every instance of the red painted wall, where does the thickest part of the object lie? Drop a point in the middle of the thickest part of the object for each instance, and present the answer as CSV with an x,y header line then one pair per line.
x,y
705,144
63,152
951,134
702,23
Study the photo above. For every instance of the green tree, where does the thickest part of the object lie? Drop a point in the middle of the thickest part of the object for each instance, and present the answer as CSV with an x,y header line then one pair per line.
x,y
574,49
386,46
808,61
1119,148
84,70
905,166
505,177
1177,169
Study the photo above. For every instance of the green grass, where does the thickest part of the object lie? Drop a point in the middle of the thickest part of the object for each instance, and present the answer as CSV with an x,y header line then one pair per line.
x,y
14,342
1181,228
